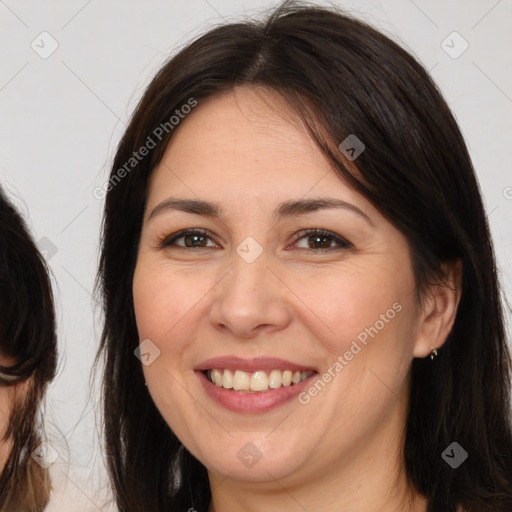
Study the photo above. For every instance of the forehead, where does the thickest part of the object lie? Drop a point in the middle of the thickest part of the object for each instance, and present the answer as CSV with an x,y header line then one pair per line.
x,y
244,145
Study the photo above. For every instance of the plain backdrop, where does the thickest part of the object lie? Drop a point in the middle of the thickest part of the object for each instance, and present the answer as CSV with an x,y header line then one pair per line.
x,y
71,73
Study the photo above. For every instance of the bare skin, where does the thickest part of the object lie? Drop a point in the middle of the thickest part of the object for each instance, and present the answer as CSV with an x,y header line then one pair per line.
x,y
7,397
4,421
342,449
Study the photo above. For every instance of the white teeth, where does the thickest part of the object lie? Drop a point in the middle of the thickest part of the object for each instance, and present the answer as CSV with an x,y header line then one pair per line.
x,y
227,379
259,381
287,378
274,379
256,381
240,381
217,377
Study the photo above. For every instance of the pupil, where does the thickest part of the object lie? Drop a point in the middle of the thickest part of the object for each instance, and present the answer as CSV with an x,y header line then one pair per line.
x,y
316,238
194,238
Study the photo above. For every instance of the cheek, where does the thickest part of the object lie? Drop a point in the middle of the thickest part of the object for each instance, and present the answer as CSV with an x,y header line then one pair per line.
x,y
164,309
359,304
370,343
162,300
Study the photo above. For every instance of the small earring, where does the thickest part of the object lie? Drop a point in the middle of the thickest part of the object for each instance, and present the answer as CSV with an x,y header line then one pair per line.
x,y
433,354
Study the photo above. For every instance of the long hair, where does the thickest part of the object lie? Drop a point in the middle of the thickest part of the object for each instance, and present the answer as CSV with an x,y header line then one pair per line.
x,y
28,337
341,77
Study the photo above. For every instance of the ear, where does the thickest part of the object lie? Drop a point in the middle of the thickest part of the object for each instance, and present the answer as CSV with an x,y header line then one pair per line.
x,y
437,315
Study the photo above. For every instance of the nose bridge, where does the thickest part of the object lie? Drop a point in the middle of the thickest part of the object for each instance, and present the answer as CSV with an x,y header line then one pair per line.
x,y
250,296
248,282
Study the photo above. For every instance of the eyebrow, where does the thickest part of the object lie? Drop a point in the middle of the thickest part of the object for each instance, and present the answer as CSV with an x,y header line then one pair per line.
x,y
284,210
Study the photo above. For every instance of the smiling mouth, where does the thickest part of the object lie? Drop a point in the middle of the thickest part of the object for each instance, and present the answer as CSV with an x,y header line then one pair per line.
x,y
259,381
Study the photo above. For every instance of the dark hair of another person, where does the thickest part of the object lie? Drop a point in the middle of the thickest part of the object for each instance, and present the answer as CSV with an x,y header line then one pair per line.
x,y
341,77
28,337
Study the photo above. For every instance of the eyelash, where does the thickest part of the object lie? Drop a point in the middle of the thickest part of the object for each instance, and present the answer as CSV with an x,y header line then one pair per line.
x,y
170,240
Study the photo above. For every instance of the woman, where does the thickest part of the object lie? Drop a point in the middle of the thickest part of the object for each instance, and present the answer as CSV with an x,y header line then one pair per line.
x,y
301,304
27,363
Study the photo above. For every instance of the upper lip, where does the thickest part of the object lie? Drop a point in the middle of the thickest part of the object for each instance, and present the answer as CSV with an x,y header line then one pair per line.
x,y
250,365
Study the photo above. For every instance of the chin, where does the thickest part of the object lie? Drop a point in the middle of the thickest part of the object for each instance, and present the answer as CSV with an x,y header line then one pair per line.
x,y
247,461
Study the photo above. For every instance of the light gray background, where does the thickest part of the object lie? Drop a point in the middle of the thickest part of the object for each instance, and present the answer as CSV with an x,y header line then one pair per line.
x,y
63,115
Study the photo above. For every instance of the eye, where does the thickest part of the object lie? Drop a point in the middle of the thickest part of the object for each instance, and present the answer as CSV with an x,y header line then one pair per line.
x,y
319,240
193,239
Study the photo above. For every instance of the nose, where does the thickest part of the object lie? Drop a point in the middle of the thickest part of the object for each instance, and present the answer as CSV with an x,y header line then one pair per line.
x,y
250,299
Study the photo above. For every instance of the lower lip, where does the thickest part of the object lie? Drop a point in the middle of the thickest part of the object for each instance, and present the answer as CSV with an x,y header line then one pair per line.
x,y
251,402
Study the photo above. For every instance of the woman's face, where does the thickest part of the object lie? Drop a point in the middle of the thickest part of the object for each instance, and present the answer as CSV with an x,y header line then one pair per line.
x,y
270,302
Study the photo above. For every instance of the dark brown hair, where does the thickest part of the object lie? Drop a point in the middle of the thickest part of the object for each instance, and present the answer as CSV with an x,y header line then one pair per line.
x,y
341,77
28,337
